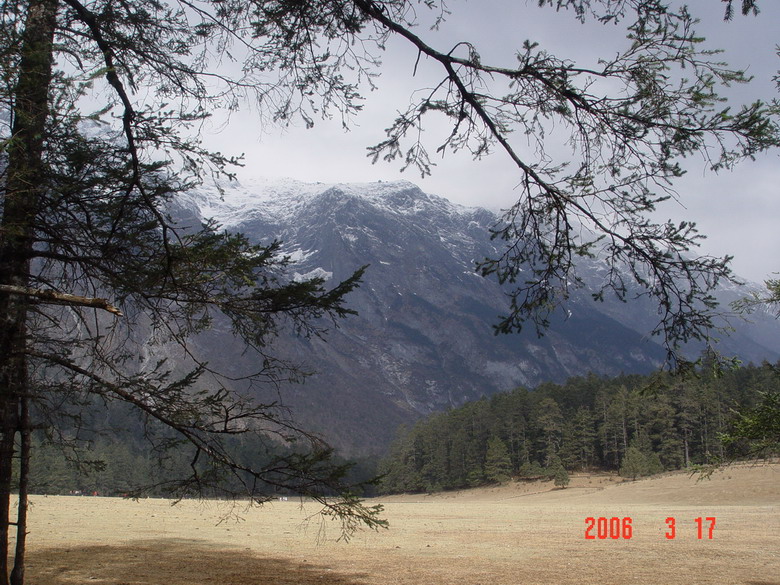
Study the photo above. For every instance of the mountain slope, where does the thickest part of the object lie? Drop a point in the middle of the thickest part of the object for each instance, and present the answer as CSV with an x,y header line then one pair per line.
x,y
423,340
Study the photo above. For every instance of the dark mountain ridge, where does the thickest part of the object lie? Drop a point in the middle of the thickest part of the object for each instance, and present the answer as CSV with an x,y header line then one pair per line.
x,y
423,340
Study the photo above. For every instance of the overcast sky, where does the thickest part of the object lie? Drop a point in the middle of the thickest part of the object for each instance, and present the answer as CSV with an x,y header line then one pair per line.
x,y
737,210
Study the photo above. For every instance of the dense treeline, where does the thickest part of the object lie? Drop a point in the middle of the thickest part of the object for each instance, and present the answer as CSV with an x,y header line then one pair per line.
x,y
113,466
637,425
108,450
633,424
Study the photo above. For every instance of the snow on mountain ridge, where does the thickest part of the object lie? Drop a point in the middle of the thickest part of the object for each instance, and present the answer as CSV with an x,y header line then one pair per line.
x,y
422,339
278,200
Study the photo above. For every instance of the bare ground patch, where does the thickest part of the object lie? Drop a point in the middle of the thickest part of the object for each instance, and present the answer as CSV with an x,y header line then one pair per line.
x,y
510,535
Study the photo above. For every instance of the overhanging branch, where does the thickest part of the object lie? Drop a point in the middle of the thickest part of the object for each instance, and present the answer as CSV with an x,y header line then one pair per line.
x,y
53,297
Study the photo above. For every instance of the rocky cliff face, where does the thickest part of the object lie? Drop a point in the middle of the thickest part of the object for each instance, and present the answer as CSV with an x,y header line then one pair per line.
x,y
423,340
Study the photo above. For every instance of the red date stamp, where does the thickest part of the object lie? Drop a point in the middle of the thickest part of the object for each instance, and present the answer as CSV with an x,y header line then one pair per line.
x,y
617,528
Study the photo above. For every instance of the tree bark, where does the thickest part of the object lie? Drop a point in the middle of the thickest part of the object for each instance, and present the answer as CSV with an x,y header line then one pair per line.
x,y
17,574
24,175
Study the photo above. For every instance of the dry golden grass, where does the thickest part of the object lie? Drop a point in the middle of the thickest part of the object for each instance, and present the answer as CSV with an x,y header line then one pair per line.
x,y
519,534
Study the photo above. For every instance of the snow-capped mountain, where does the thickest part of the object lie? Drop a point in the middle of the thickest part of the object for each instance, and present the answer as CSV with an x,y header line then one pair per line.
x,y
423,340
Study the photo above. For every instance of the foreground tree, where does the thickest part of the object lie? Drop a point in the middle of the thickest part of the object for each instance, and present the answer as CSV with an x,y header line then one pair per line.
x,y
86,214
102,101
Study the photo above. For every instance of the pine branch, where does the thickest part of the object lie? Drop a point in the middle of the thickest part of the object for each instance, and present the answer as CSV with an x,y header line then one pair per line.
x,y
54,297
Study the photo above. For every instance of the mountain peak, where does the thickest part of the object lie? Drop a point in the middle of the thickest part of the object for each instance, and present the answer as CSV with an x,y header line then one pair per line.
x,y
422,339
276,201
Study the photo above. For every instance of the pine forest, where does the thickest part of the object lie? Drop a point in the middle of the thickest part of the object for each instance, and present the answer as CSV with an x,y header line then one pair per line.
x,y
636,425
632,424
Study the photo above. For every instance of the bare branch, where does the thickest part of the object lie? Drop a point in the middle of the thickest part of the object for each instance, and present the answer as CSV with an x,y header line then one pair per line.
x,y
54,297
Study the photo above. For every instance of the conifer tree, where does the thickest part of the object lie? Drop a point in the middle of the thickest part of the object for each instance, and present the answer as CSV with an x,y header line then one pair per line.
x,y
93,266
551,424
579,440
634,463
498,464
560,477
638,462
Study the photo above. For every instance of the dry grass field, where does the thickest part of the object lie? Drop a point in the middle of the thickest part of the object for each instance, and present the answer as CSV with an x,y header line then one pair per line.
x,y
518,534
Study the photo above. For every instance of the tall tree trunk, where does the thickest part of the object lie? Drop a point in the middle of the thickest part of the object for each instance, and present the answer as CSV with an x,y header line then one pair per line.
x,y
6,460
624,429
20,205
17,574
721,425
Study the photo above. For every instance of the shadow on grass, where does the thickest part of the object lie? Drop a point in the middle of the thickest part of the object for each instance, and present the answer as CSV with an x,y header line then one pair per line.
x,y
173,562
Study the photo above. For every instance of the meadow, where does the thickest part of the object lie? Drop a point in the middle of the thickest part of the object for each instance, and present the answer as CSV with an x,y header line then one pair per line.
x,y
515,534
